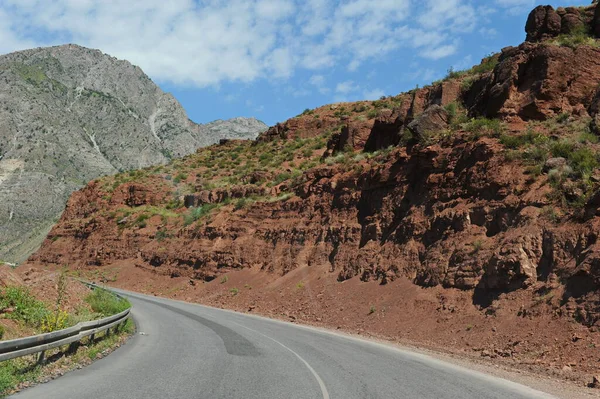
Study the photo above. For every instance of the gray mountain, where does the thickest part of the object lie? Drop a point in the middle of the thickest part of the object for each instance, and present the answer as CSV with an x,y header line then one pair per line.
x,y
69,114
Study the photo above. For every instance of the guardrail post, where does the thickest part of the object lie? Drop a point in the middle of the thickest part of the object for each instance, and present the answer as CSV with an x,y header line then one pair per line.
x,y
73,346
41,358
92,337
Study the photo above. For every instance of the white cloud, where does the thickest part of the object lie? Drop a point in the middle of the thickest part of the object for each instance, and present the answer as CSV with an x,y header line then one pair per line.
x,y
437,53
515,3
453,15
346,87
317,80
488,32
205,43
421,75
374,94
516,6
466,62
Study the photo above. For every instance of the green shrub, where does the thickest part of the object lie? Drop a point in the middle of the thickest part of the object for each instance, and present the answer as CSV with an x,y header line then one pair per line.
x,y
536,154
470,75
359,108
280,178
452,74
484,127
381,103
174,204
161,235
373,113
487,64
516,141
203,210
456,115
241,203
179,178
581,36
307,152
26,307
550,213
588,137
140,221
563,148
584,160
106,303
556,177
15,371
563,117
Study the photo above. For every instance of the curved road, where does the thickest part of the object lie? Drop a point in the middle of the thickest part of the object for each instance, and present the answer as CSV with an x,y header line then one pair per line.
x,y
184,350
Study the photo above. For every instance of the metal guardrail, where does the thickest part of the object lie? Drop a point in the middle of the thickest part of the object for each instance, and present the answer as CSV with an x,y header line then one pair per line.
x,y
69,336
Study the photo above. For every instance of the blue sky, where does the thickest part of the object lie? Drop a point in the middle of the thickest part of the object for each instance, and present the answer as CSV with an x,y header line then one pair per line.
x,y
272,59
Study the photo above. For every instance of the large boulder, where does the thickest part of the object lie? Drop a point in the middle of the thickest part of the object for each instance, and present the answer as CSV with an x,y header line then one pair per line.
x,y
543,22
514,263
571,21
434,119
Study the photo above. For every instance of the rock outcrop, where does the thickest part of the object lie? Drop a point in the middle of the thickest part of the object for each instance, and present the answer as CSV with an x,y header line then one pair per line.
x,y
544,22
539,81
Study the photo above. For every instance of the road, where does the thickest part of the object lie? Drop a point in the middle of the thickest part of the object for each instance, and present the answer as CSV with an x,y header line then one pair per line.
x,y
184,350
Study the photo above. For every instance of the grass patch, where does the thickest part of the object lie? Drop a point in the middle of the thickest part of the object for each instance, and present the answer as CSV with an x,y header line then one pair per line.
x,y
16,371
579,37
26,308
198,213
105,303
479,127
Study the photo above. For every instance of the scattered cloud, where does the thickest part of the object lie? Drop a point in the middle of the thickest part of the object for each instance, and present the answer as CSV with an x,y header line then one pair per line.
x,y
374,94
346,87
319,82
451,15
420,74
488,32
440,52
516,6
192,43
465,63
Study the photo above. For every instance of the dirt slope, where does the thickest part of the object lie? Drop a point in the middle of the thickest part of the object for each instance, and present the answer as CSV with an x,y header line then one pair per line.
x,y
462,215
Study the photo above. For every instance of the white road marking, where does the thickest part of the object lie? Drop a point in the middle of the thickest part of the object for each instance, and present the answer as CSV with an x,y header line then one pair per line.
x,y
308,366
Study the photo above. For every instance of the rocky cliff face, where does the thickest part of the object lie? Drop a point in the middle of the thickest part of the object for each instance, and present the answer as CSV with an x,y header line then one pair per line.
x,y
487,183
545,22
70,114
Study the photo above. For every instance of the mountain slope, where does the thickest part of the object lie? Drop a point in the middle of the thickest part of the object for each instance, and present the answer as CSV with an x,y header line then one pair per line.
x,y
462,215
69,114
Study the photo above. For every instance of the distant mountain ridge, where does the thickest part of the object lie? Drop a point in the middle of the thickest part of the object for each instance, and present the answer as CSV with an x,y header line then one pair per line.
x,y
69,114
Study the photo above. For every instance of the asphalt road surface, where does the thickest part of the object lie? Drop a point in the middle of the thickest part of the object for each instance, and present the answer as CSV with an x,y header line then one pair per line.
x,y
183,350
